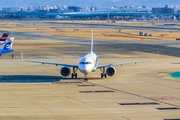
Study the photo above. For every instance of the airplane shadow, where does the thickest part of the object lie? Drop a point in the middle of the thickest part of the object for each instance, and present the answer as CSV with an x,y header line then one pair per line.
x,y
28,78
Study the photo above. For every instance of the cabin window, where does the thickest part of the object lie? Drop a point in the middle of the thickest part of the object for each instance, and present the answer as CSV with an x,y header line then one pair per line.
x,y
85,63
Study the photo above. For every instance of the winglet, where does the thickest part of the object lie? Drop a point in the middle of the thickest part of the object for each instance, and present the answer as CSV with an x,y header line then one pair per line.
x,y
22,56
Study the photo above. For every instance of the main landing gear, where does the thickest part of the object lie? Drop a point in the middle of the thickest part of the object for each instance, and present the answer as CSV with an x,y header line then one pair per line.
x,y
74,74
104,73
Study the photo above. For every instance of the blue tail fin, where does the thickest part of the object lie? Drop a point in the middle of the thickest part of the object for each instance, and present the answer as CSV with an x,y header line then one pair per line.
x,y
7,45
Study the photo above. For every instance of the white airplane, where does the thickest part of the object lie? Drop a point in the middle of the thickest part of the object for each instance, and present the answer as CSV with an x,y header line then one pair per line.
x,y
88,64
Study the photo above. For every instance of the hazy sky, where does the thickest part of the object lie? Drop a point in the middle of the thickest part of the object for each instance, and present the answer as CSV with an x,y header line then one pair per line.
x,y
99,3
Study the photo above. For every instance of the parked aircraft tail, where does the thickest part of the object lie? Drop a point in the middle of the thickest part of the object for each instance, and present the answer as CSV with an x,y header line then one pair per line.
x,y
8,44
4,37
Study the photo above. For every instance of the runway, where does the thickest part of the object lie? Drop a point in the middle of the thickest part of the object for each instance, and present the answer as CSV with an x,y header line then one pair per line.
x,y
145,91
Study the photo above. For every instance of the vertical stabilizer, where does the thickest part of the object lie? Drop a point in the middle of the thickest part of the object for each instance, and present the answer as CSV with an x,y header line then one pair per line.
x,y
92,41
8,44
4,37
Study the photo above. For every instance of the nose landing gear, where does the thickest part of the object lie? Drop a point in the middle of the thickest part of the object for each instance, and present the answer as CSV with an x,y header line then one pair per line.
x,y
104,73
74,74
85,79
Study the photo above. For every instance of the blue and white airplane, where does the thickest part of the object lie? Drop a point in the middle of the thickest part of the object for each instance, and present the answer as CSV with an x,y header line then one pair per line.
x,y
6,48
87,64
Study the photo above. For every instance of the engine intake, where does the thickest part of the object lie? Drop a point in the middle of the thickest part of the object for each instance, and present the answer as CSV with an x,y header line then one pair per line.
x,y
65,71
110,71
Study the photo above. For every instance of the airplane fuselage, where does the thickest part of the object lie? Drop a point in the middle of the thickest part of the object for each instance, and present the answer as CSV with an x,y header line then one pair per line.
x,y
5,51
88,63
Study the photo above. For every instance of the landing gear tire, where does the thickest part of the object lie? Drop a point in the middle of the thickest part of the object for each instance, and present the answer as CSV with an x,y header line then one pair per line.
x,y
103,75
74,75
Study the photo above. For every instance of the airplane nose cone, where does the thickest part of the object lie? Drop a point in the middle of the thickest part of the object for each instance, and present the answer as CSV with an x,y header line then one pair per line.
x,y
84,69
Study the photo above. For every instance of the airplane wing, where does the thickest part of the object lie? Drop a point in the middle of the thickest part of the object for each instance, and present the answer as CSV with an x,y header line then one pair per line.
x,y
107,65
76,66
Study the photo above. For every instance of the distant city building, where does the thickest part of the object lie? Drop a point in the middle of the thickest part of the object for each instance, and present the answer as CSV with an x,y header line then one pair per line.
x,y
65,11
55,7
25,9
94,8
144,6
15,9
30,9
176,7
58,6
74,8
20,9
84,8
164,10
43,11
178,11
40,7
53,10
126,7
35,9
132,6
46,7
7,9
121,7
65,8
115,7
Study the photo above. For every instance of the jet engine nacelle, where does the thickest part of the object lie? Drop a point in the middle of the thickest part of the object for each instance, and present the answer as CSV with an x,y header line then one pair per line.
x,y
65,71
110,71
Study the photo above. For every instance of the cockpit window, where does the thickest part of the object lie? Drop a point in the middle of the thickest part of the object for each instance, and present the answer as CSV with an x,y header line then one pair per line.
x,y
85,63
